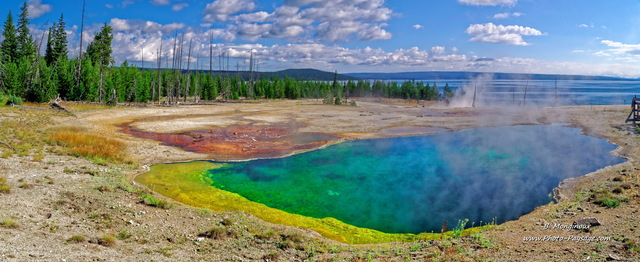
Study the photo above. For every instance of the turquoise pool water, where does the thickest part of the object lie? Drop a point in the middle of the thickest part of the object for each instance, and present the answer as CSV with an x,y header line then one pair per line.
x,y
414,184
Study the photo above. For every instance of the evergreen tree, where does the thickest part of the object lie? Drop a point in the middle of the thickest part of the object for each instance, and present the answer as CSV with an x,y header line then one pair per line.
x,y
9,46
49,56
56,43
99,51
60,43
26,45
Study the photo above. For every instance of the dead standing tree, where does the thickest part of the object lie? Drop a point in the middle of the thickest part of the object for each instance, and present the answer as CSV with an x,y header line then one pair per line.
x,y
188,80
159,83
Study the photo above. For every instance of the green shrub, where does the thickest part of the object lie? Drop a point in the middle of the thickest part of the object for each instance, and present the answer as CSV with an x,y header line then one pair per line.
x,y
604,198
457,231
328,99
16,100
338,100
154,202
124,234
77,239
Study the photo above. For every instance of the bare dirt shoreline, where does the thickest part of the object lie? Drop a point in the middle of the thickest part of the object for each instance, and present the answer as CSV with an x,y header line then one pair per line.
x,y
49,213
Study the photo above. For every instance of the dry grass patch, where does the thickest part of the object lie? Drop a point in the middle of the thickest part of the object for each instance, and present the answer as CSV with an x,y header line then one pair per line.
x,y
9,223
96,148
77,239
107,240
4,186
22,130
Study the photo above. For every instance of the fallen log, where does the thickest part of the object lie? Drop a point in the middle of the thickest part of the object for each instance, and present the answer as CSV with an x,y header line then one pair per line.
x,y
9,146
55,105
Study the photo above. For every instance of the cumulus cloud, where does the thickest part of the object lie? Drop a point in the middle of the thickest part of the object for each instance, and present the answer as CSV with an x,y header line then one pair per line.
x,y
491,33
36,8
417,26
437,50
619,51
143,27
325,21
506,15
130,43
488,2
221,10
178,7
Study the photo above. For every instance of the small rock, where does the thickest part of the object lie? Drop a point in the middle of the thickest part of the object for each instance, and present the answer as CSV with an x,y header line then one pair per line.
x,y
588,221
130,222
612,257
200,239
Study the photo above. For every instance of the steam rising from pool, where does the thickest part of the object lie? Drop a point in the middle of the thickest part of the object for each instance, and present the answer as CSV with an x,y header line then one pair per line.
x,y
414,184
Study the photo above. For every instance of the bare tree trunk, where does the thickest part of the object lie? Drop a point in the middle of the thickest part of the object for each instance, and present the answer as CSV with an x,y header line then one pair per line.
x,y
181,47
210,53
159,73
251,82
170,91
186,88
79,72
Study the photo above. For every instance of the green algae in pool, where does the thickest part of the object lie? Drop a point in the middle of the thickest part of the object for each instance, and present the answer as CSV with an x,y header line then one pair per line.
x,y
414,184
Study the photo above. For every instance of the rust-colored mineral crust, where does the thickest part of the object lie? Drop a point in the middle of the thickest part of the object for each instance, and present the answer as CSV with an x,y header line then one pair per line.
x,y
239,142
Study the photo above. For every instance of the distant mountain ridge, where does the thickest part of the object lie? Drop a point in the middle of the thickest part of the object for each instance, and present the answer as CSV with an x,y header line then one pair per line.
x,y
448,75
298,74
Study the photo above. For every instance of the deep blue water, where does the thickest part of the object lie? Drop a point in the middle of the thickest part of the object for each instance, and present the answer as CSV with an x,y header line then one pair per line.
x,y
546,92
414,184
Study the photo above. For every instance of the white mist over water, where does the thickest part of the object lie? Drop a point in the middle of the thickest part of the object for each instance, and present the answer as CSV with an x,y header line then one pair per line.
x,y
471,94
520,93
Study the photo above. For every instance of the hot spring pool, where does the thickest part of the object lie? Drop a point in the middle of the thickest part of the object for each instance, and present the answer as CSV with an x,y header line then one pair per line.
x,y
414,184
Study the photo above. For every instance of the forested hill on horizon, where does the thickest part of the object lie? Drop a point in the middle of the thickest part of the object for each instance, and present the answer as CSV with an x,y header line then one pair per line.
x,y
450,75
319,75
303,74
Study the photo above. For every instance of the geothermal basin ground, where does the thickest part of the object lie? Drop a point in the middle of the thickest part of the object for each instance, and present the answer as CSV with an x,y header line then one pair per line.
x,y
71,197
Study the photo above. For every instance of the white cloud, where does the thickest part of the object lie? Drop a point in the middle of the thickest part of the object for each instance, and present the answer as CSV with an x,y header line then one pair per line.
x,y
178,7
126,3
132,37
488,2
108,6
142,27
437,50
36,8
160,2
417,26
620,51
220,10
301,20
490,33
257,17
586,25
507,15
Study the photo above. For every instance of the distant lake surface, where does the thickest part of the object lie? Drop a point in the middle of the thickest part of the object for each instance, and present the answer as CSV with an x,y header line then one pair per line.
x,y
544,92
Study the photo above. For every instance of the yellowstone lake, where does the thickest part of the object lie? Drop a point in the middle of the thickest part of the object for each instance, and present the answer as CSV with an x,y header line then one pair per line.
x,y
545,92
414,184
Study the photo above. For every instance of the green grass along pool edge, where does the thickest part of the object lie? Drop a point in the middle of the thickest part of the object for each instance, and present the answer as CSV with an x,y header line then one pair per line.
x,y
187,183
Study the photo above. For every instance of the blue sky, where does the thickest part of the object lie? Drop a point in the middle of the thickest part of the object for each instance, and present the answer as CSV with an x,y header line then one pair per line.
x,y
525,36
